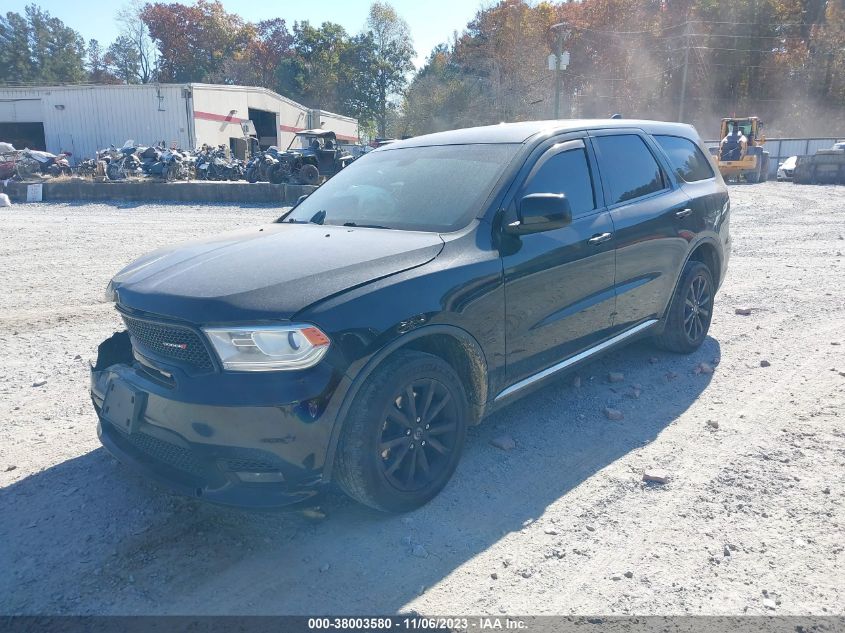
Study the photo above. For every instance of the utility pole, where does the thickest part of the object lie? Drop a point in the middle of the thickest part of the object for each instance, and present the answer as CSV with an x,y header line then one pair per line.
x,y
687,32
562,34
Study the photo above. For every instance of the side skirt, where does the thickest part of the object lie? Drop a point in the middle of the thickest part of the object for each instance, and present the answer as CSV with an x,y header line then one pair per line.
x,y
525,382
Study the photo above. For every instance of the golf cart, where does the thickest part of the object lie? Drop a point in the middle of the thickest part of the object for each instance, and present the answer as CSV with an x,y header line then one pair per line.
x,y
313,154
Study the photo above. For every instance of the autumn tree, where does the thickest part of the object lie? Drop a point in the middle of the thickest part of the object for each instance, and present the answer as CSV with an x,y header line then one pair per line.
x,y
272,43
195,41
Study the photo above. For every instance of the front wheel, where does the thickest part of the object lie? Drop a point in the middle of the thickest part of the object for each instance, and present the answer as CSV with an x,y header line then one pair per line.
x,y
308,174
690,311
403,435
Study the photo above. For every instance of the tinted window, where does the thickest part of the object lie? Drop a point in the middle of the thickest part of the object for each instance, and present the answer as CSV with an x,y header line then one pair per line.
x,y
628,166
567,173
687,160
438,188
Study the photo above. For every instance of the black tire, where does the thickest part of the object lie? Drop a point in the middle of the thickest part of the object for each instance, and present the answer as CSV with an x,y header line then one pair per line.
x,y
308,174
404,433
277,176
754,177
690,312
114,172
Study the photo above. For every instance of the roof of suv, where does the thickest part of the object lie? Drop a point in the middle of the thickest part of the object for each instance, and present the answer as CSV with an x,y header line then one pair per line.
x,y
521,132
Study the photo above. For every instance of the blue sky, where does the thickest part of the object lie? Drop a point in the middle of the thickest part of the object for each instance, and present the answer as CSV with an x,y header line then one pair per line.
x,y
431,21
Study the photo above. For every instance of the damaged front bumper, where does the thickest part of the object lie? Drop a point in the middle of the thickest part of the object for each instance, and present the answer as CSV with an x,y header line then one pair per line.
x,y
238,439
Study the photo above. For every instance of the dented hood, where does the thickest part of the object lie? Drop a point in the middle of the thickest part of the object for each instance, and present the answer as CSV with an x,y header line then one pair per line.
x,y
269,272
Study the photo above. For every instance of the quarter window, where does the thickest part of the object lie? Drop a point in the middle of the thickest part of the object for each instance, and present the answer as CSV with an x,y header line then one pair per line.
x,y
686,158
629,167
568,173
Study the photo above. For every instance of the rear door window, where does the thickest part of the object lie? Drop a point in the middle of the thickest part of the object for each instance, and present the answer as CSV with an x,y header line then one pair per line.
x,y
628,167
566,172
686,158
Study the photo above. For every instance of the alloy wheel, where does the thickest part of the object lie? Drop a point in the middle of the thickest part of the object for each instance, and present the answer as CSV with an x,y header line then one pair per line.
x,y
418,434
697,307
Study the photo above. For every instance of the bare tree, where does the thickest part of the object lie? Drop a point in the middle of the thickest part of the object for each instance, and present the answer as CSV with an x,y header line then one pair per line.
x,y
135,30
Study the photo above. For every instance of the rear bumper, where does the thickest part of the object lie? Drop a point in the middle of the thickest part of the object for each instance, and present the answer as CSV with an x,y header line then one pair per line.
x,y
264,454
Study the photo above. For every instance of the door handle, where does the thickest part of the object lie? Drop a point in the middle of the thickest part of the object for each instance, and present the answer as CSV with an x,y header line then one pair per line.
x,y
683,213
600,238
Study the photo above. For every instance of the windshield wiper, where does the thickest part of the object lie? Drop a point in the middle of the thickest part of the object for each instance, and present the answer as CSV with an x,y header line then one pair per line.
x,y
365,226
317,218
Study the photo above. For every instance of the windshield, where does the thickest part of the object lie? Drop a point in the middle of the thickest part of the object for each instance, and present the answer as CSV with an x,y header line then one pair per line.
x,y
416,188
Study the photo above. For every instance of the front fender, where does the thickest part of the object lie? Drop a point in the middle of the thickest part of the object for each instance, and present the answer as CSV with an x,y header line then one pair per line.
x,y
465,338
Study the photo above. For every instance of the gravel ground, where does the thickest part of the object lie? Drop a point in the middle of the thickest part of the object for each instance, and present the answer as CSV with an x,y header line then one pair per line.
x,y
750,521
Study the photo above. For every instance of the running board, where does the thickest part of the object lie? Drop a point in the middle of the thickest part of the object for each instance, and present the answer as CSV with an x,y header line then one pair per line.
x,y
574,359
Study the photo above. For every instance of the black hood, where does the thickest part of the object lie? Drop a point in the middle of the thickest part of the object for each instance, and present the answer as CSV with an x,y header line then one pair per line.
x,y
269,272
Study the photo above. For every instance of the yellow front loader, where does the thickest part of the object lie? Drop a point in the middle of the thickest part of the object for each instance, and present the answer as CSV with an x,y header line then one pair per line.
x,y
749,162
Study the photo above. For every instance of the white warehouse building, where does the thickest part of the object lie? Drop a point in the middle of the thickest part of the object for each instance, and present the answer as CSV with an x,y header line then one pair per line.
x,y
83,119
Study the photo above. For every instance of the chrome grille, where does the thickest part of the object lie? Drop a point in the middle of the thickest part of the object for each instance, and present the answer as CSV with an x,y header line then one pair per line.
x,y
170,341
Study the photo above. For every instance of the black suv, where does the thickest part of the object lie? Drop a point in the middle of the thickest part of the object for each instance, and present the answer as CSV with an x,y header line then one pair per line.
x,y
432,281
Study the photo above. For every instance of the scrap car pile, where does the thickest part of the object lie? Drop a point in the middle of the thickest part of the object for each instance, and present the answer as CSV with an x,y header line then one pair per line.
x,y
312,157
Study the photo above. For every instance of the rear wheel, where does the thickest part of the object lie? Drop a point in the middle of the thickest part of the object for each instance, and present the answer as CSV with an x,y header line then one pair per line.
x,y
690,311
404,433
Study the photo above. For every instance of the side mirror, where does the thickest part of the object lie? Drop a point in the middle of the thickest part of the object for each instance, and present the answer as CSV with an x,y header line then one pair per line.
x,y
539,212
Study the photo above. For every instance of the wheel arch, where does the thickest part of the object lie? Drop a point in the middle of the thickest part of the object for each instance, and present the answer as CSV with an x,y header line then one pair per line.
x,y
453,344
705,251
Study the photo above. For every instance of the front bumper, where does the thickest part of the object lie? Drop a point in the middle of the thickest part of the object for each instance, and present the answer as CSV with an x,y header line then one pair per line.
x,y
258,441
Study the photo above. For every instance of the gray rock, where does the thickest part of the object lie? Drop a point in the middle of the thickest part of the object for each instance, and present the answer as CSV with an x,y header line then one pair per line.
x,y
39,383
656,476
629,574
419,551
613,414
494,576
765,363
324,568
504,442
713,424
742,311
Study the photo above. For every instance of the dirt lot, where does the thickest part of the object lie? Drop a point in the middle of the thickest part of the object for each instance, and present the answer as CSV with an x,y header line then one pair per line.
x,y
751,521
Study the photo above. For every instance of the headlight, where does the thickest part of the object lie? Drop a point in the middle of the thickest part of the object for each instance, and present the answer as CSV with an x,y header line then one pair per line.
x,y
268,348
110,295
